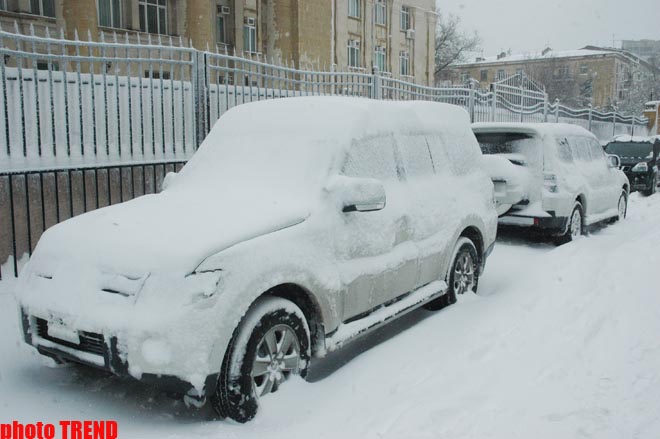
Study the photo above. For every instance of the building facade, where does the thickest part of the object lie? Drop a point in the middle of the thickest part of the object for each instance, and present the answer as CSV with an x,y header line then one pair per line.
x,y
602,77
395,36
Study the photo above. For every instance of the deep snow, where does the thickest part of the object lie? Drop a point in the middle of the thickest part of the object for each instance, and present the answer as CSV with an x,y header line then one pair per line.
x,y
561,342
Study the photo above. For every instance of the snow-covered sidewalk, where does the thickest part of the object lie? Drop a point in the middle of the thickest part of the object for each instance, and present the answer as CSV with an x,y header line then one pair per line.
x,y
562,342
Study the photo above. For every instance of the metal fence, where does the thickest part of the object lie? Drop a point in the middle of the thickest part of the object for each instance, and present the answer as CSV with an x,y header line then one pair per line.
x,y
86,124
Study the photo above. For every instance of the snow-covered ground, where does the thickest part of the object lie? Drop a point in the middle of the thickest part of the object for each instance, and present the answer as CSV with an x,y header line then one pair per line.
x,y
562,342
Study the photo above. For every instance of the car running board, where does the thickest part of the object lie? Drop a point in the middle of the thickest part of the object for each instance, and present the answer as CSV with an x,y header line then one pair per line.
x,y
348,332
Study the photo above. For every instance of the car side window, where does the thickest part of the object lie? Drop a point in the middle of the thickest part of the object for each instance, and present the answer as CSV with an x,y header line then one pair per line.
x,y
462,151
580,149
415,155
438,152
371,157
564,150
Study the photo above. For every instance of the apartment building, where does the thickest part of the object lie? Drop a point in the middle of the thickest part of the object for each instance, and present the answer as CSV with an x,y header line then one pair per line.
x,y
593,75
396,36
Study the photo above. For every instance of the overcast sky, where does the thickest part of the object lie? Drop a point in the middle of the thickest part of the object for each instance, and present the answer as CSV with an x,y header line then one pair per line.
x,y
530,25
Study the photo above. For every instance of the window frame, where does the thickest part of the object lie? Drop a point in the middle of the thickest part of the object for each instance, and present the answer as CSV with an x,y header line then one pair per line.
x,y
220,38
119,20
354,8
404,61
250,38
483,75
405,24
380,52
40,6
143,8
380,11
354,53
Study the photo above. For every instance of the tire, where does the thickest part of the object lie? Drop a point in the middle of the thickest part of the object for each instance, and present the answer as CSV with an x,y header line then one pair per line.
x,y
462,276
575,227
271,344
654,186
622,207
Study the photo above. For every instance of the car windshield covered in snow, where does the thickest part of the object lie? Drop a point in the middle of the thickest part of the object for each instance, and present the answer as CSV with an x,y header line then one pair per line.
x,y
519,148
630,149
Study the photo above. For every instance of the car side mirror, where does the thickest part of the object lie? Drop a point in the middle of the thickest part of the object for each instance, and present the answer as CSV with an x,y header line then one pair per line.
x,y
358,194
613,161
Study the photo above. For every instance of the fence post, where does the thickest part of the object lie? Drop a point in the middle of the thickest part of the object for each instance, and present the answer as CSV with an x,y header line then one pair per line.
x,y
632,125
591,111
557,110
614,122
471,101
545,107
376,92
493,107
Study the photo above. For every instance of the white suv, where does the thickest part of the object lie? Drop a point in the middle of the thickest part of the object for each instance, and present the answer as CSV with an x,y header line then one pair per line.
x,y
299,225
553,177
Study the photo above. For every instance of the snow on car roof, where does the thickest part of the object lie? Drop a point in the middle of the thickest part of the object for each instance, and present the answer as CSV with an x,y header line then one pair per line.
x,y
339,118
554,129
288,141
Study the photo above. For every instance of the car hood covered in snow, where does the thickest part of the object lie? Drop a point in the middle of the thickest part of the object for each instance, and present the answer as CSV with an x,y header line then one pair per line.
x,y
158,233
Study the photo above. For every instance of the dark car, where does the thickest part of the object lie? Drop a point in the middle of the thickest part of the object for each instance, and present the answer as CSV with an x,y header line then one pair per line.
x,y
639,160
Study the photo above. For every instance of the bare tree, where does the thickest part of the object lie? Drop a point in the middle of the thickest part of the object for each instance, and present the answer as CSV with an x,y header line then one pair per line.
x,y
452,44
642,86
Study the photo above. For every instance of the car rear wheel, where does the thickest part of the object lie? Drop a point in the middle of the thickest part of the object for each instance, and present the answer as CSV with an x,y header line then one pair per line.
x,y
575,225
271,345
462,277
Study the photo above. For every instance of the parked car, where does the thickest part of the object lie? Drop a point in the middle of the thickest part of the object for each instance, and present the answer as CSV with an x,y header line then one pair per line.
x,y
640,158
299,225
552,177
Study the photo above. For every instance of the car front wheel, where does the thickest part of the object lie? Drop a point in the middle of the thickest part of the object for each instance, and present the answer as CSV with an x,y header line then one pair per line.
x,y
271,345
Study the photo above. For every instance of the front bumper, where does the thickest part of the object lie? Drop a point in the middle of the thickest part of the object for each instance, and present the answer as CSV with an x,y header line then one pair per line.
x,y
639,181
103,353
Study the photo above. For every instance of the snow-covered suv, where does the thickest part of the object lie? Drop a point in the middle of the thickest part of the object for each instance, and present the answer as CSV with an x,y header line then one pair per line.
x,y
554,177
299,225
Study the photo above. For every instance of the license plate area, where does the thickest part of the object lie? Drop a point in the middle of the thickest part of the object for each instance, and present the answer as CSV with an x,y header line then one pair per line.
x,y
60,331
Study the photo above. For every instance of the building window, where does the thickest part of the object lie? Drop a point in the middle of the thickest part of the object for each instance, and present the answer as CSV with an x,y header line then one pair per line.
x,y
44,65
519,71
354,53
406,18
354,8
380,12
250,35
379,58
221,25
465,77
153,16
404,63
43,7
500,74
562,72
484,75
3,5
584,69
156,74
109,13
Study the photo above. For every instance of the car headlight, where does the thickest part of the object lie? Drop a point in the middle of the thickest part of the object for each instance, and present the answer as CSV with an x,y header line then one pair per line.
x,y
641,167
